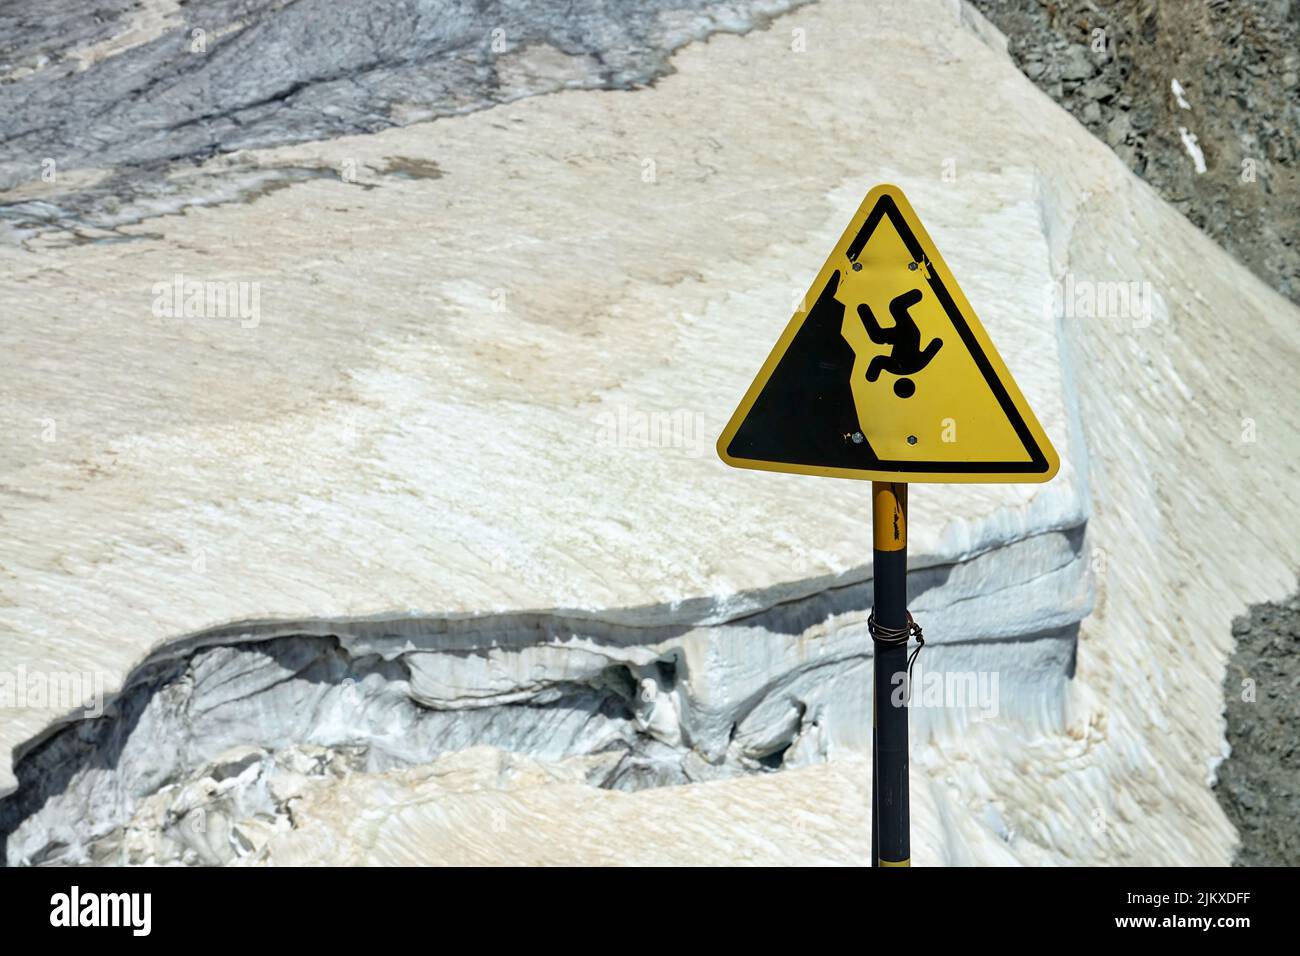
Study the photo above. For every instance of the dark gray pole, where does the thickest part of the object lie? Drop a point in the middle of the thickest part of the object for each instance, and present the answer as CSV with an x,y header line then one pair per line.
x,y
890,839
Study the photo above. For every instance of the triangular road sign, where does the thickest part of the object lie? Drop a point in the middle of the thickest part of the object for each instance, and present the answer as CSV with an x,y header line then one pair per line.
x,y
886,373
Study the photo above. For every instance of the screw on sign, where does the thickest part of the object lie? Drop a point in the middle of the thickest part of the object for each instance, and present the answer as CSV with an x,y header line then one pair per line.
x,y
845,395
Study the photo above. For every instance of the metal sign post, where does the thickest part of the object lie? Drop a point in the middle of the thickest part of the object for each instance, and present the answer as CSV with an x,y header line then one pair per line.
x,y
884,373
890,626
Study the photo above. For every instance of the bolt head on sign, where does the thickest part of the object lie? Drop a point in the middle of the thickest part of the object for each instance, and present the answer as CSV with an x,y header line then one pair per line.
x,y
886,374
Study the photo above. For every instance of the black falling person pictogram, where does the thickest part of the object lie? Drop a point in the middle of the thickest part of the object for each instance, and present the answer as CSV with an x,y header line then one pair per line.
x,y
906,357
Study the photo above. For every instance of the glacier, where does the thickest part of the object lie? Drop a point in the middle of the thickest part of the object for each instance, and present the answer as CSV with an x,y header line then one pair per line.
x,y
435,564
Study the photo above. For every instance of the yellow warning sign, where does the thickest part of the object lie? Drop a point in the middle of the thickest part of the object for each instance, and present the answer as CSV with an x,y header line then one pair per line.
x,y
886,373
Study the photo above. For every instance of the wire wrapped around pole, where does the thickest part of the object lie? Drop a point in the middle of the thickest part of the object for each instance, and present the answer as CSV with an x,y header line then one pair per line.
x,y
893,636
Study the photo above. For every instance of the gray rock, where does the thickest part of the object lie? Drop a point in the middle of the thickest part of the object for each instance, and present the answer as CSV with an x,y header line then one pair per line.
x,y
1243,62
1259,784
1078,63
1118,129
1099,89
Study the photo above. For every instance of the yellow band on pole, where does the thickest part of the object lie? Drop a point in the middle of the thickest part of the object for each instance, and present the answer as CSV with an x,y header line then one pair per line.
x,y
907,862
889,515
